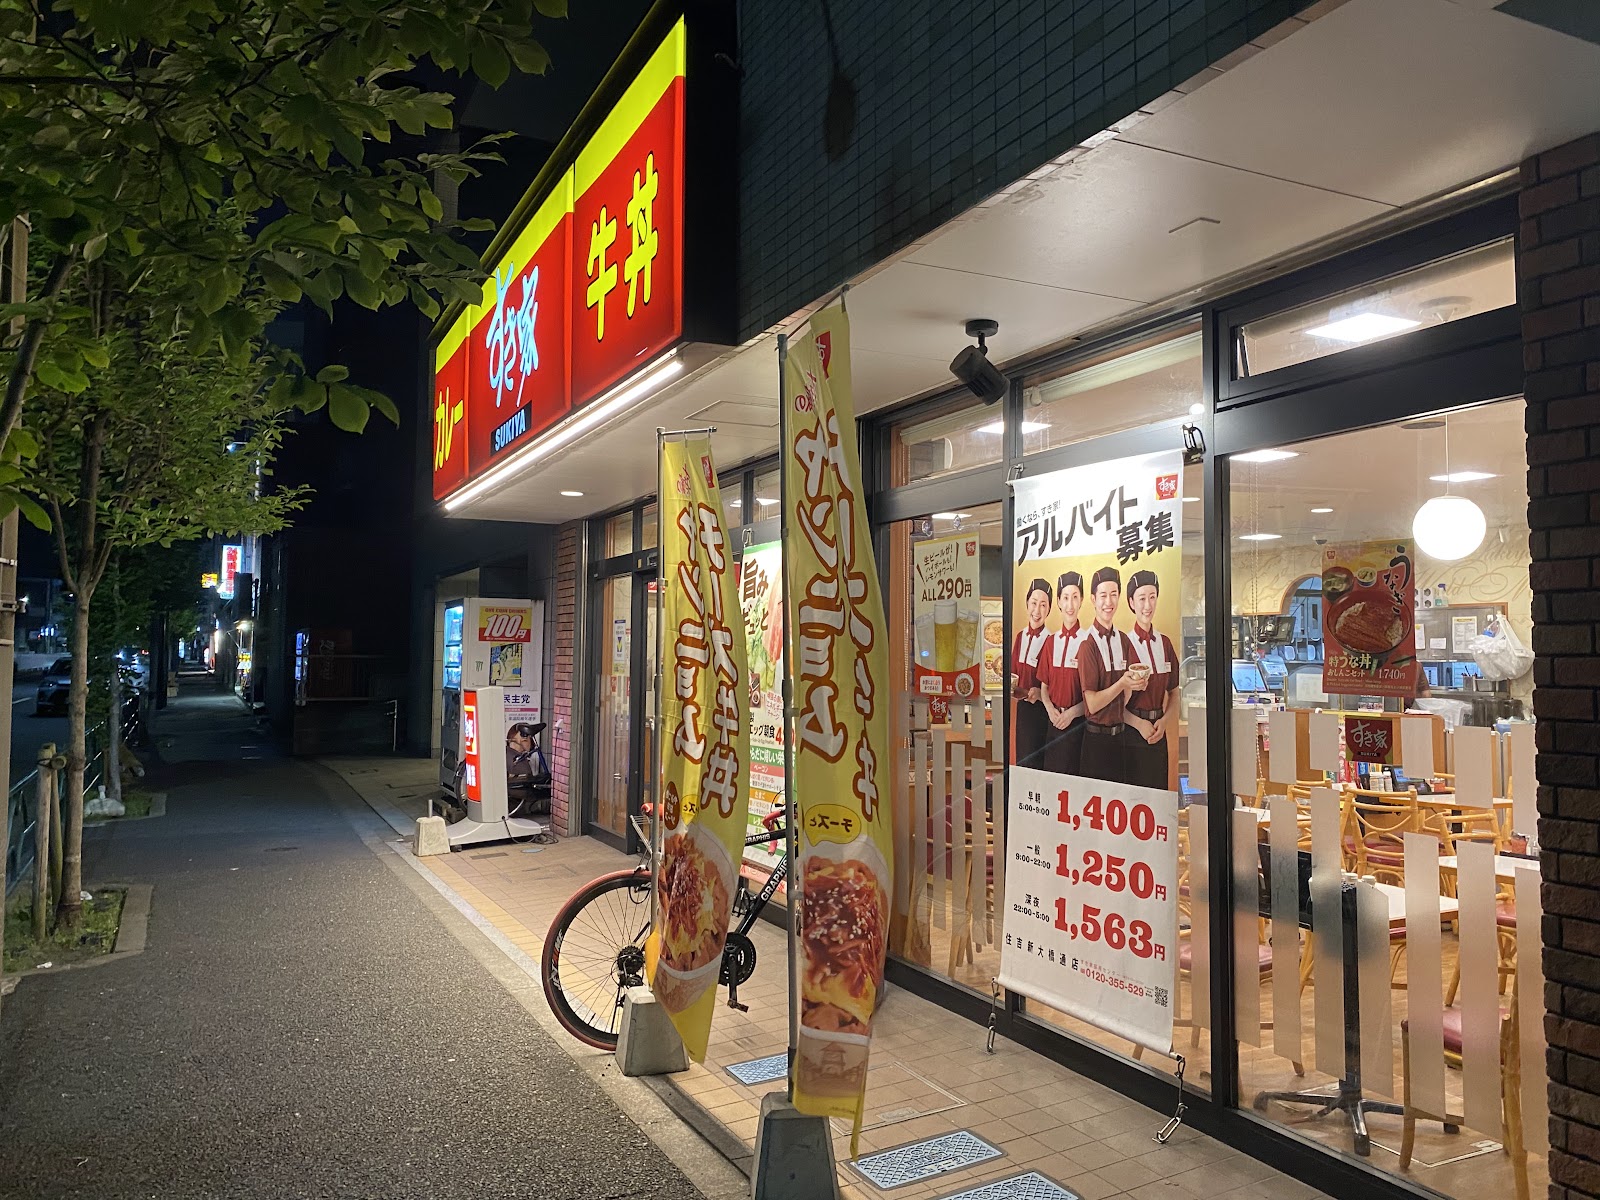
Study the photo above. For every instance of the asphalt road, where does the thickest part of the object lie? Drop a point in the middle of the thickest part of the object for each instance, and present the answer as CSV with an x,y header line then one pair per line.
x,y
29,729
301,1024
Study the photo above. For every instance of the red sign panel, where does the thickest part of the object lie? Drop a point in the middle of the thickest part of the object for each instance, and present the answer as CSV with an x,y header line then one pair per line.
x,y
232,556
627,299
1369,739
505,623
472,777
590,290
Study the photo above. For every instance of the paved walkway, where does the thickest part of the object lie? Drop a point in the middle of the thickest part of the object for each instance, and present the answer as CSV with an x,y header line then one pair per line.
x,y
309,1019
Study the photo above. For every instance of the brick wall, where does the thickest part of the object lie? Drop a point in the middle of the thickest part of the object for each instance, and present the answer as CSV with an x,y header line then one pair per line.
x,y
566,635
952,102
1558,283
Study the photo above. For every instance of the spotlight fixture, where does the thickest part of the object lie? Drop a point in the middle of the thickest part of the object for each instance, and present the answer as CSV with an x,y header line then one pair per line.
x,y
972,366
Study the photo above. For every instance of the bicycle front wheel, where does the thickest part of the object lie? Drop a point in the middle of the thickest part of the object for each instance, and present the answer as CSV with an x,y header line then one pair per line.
x,y
595,952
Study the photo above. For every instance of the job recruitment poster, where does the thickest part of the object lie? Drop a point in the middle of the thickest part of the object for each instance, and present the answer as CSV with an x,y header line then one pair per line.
x,y
705,745
1369,614
838,672
1093,674
761,602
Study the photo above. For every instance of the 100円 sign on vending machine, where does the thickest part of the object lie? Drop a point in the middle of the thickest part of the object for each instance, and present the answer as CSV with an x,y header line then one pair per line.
x,y
1091,890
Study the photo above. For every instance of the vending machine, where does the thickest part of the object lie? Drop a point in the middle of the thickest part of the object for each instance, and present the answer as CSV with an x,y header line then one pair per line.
x,y
488,643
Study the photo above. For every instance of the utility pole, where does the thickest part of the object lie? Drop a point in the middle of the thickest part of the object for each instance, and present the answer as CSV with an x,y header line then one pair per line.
x,y
16,273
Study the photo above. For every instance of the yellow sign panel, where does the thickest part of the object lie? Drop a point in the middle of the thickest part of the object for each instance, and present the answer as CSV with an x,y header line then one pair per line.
x,y
706,741
838,674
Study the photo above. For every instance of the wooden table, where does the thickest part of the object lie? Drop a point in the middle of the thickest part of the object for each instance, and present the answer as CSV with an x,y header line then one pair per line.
x,y
1506,866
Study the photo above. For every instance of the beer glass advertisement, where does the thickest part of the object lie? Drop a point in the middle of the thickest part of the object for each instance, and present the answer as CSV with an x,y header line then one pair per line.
x,y
947,616
1369,615
1092,672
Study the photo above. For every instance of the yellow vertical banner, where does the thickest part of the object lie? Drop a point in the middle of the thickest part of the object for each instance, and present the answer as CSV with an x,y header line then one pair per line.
x,y
838,679
705,749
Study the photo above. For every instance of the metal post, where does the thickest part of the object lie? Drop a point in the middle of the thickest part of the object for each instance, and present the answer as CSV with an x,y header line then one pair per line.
x,y
17,292
791,816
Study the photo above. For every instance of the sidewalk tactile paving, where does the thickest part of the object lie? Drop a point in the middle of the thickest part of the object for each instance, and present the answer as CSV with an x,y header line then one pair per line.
x,y
916,1161
760,1070
1028,1186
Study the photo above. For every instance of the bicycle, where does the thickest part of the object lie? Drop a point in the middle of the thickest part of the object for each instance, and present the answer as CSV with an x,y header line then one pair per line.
x,y
594,951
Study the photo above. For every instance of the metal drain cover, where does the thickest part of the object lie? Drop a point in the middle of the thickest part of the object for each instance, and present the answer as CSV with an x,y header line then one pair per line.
x,y
1028,1186
760,1070
923,1160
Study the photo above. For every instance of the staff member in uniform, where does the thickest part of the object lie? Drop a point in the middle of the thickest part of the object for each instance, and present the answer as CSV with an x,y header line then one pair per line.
x,y
1058,680
1108,672
1150,712
1032,724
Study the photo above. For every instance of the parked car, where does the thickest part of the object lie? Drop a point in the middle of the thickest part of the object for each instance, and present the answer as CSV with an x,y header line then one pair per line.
x,y
53,688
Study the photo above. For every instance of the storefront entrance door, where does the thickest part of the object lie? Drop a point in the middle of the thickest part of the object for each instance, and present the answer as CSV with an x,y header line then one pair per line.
x,y
622,735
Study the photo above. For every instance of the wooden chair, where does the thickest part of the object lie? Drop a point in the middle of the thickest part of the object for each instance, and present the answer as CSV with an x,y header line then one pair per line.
x,y
1510,1092
1375,827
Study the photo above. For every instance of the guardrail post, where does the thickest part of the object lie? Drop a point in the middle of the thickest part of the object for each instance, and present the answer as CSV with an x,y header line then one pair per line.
x,y
42,821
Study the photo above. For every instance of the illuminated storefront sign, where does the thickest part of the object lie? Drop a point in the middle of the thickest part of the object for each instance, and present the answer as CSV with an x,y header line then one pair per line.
x,y
589,291
231,557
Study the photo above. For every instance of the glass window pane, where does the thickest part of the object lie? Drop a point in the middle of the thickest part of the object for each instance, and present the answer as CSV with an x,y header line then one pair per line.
x,y
614,673
1357,692
648,533
618,537
767,496
1463,285
957,438
1157,381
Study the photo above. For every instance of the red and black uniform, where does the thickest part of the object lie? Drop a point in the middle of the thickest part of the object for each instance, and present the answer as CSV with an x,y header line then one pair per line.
x,y
1033,723
1058,672
1103,659
1148,764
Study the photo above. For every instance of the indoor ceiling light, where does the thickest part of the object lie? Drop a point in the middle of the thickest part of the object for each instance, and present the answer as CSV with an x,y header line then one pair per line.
x,y
1196,409
735,503
1259,537
957,516
1448,527
1265,456
1463,477
1191,499
764,500
573,495
1000,427
1322,510
1363,327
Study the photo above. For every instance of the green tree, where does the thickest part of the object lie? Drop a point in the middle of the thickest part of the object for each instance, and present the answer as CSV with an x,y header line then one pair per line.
x,y
167,442
243,149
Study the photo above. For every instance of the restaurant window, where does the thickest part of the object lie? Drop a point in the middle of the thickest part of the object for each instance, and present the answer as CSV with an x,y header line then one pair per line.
x,y
1387,917
618,535
648,526
955,438
765,496
1449,289
1154,381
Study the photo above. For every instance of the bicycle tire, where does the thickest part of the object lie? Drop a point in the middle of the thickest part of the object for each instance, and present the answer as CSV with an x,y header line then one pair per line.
x,y
590,956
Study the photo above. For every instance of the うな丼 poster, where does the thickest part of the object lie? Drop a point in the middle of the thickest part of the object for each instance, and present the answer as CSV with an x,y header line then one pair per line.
x,y
1369,614
841,751
706,742
1093,673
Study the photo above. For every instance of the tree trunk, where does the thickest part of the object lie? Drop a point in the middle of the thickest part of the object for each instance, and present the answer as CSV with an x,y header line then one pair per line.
x,y
41,843
70,907
114,735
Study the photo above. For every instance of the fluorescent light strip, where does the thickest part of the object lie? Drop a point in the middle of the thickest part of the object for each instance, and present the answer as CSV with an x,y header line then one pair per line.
x,y
1363,327
1463,477
1266,456
601,410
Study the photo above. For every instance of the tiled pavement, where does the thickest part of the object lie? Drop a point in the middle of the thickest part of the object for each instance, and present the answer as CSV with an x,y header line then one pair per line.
x,y
929,1075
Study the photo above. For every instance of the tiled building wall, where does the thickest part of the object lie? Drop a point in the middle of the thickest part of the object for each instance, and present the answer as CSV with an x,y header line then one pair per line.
x,y
952,101
1558,266
561,722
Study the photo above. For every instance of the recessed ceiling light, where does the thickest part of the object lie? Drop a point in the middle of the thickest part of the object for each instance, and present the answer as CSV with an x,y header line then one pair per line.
x,y
573,495
1463,477
735,503
1191,499
1363,327
1196,409
1259,537
765,500
1264,456
1322,510
956,516
1000,427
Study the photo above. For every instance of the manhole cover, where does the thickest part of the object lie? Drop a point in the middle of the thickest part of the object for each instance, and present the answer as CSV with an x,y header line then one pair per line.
x,y
1028,1186
760,1070
925,1159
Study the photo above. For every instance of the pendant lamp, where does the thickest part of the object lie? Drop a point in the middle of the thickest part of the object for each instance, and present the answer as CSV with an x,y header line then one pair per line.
x,y
1448,527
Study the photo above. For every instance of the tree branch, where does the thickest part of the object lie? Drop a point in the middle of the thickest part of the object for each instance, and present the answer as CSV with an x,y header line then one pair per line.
x,y
28,350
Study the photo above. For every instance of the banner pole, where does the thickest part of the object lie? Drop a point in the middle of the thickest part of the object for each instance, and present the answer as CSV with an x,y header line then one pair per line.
x,y
791,815
656,728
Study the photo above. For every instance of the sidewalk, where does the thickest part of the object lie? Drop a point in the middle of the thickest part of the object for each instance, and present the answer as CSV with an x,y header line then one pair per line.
x,y
930,1074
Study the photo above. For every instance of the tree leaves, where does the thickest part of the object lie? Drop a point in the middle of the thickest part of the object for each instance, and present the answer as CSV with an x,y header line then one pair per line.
x,y
348,410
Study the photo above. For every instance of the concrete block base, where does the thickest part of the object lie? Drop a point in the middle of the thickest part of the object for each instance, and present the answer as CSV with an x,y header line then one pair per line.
x,y
430,837
648,1043
794,1154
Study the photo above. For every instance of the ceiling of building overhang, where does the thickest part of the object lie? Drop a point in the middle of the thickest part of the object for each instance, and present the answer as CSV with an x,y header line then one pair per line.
x,y
1374,105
